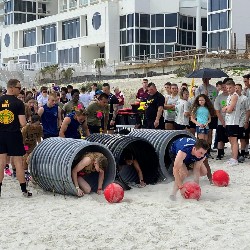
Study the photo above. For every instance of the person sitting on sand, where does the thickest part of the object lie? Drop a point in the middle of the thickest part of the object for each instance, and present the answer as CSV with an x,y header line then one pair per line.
x,y
90,162
187,154
128,159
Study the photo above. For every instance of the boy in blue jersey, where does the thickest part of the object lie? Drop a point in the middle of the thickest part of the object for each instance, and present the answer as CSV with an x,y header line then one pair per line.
x,y
188,154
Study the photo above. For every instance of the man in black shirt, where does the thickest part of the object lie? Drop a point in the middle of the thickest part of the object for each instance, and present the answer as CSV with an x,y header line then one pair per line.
x,y
154,110
113,107
12,118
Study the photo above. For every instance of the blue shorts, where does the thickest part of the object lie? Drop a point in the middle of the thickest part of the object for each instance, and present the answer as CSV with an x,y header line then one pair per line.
x,y
200,130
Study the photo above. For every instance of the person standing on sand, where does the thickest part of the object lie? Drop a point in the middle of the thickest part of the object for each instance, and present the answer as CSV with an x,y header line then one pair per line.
x,y
12,117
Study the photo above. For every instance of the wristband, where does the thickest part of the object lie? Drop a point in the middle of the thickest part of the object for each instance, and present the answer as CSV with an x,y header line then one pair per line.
x,y
99,189
181,187
77,188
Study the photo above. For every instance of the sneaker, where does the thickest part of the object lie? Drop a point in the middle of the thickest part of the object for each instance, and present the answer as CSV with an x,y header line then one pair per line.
x,y
241,159
219,157
233,163
229,161
7,170
27,194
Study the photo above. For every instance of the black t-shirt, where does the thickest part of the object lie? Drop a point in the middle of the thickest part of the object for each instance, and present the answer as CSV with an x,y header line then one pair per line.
x,y
112,100
10,109
153,102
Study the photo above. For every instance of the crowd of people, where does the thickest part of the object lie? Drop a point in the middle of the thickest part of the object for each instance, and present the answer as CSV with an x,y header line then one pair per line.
x,y
72,113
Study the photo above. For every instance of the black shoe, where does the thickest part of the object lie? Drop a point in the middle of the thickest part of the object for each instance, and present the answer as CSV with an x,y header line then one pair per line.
x,y
219,157
27,194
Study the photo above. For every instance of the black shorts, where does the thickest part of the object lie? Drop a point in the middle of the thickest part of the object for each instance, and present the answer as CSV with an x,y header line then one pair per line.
x,y
150,124
232,130
192,125
11,143
109,127
214,123
248,129
243,133
180,127
94,129
221,133
171,122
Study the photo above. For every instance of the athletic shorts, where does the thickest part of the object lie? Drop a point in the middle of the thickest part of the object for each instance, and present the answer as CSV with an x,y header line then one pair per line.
x,y
221,133
180,127
150,124
171,122
11,143
214,123
232,130
200,130
243,133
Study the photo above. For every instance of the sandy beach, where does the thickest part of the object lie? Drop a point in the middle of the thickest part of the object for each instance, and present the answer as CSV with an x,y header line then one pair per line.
x,y
145,219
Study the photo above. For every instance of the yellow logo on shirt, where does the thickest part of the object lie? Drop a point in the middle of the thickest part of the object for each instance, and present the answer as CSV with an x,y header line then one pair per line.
x,y
6,116
5,104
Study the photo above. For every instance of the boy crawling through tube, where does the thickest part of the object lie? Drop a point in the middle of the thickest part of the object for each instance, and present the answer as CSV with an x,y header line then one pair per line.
x,y
91,162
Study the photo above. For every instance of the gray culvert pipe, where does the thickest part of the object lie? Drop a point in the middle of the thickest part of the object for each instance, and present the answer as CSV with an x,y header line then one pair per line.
x,y
53,159
162,141
143,151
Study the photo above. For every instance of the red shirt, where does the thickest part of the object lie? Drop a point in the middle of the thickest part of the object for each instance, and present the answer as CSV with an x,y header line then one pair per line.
x,y
120,96
142,95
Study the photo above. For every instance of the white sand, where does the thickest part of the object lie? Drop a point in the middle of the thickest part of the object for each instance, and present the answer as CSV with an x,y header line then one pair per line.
x,y
146,219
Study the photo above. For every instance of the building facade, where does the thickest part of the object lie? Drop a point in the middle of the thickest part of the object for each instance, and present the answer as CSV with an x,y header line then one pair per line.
x,y
227,25
47,32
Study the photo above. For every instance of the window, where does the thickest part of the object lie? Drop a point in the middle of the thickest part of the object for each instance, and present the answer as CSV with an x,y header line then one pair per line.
x,y
137,24
183,22
47,53
153,22
71,29
144,50
144,36
215,21
29,38
170,35
190,23
204,39
169,48
96,21
159,36
130,36
189,38
144,21
123,37
49,34
204,24
160,51
159,20
137,35
130,20
215,5
152,36
171,20
223,20
122,22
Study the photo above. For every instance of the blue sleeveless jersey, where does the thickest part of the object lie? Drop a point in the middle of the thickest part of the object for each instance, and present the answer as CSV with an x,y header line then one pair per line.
x,y
50,120
72,130
185,145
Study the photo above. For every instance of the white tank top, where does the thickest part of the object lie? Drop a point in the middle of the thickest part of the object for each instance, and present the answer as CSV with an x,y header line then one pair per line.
x,y
169,115
233,118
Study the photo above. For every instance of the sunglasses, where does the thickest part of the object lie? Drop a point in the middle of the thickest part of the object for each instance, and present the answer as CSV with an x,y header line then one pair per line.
x,y
18,87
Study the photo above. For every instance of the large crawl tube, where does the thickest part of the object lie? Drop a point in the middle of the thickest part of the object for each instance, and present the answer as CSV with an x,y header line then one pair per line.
x,y
53,159
143,151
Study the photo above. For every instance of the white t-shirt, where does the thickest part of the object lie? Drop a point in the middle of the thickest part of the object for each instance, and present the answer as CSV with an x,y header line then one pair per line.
x,y
181,107
244,107
42,100
169,115
68,96
219,103
233,118
211,90
92,94
85,99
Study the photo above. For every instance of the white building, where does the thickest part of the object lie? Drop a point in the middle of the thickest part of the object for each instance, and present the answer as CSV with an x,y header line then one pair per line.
x,y
228,25
79,31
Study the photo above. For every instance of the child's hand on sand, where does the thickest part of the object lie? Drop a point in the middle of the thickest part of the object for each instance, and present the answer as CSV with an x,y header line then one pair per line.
x,y
80,192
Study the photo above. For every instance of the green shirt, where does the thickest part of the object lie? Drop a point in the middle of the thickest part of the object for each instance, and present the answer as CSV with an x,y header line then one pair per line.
x,y
95,113
71,106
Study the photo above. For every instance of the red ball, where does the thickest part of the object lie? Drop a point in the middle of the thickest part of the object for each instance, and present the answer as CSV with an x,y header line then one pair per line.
x,y
113,193
193,190
220,178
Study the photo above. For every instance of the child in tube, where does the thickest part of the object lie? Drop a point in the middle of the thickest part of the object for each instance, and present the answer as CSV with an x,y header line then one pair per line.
x,y
128,159
90,162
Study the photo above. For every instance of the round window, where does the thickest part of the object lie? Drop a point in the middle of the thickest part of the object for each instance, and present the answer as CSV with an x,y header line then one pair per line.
x,y
7,40
96,21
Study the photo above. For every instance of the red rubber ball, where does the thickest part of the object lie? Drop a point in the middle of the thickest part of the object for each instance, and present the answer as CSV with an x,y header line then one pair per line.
x,y
114,193
220,178
193,190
